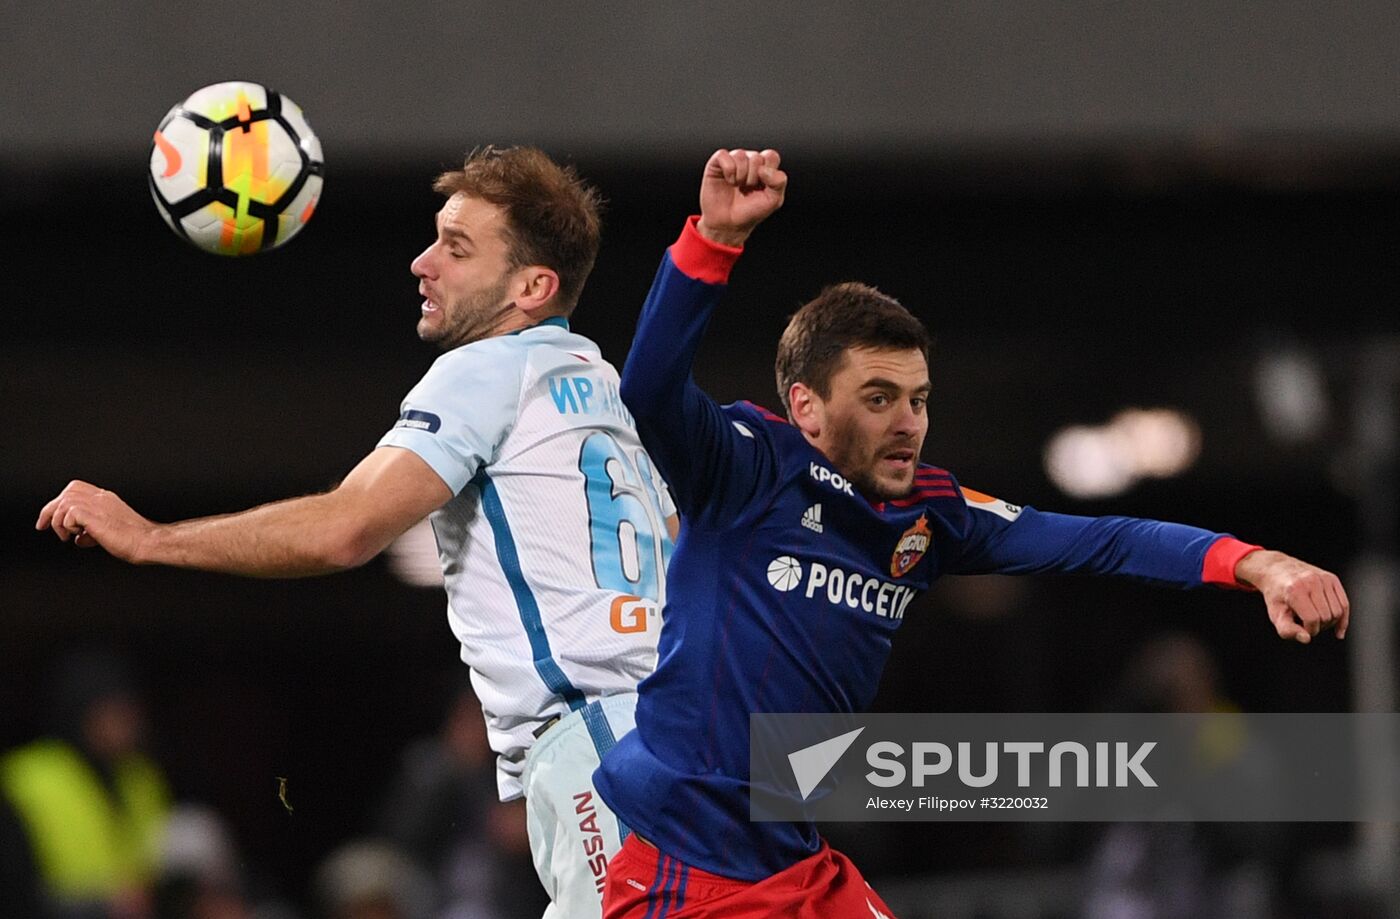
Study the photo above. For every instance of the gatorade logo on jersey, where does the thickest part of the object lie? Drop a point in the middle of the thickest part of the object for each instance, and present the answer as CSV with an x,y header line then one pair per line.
x,y
834,479
910,549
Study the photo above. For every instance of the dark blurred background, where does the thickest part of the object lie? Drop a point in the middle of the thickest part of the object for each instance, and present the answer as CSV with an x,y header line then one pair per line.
x,y
1094,207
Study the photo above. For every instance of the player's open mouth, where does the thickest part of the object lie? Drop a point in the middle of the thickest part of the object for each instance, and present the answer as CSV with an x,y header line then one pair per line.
x,y
900,459
428,305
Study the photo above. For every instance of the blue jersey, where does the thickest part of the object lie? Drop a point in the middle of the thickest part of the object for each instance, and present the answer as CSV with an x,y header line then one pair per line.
x,y
787,584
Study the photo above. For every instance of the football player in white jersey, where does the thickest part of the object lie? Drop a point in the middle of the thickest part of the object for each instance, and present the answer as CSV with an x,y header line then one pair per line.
x,y
552,524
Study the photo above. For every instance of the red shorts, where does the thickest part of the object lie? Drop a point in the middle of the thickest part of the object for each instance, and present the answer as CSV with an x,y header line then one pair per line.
x,y
645,884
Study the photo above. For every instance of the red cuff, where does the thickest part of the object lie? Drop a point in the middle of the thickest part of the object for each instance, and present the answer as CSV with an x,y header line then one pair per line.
x,y
703,259
1221,558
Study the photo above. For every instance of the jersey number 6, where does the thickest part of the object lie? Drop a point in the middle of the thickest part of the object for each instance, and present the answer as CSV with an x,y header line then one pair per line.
x,y
630,546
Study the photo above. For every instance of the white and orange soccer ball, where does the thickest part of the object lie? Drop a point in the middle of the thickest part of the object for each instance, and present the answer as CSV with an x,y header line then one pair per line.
x,y
235,168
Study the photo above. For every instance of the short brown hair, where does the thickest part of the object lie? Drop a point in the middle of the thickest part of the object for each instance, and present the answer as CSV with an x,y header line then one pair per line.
x,y
849,315
552,215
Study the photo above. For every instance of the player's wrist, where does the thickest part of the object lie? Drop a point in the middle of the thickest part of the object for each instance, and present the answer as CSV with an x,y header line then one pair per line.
x,y
733,237
1254,566
702,258
147,547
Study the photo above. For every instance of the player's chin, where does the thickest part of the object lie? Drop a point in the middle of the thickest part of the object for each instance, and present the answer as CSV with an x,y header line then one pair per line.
x,y
430,329
889,484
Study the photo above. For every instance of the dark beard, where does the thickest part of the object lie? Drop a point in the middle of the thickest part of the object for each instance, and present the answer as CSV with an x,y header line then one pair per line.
x,y
844,451
866,484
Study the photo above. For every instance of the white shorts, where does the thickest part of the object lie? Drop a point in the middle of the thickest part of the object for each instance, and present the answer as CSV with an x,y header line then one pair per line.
x,y
573,834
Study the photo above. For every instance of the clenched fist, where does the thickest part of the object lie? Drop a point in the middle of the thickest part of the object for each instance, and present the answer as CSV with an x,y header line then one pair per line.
x,y
740,188
1302,599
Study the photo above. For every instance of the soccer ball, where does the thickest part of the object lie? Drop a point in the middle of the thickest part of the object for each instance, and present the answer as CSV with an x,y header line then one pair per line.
x,y
235,168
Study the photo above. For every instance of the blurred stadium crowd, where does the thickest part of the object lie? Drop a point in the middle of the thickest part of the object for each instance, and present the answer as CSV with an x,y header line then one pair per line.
x,y
90,827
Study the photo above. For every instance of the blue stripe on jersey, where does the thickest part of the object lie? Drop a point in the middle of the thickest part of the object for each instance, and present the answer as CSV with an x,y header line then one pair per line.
x,y
601,732
545,664
598,728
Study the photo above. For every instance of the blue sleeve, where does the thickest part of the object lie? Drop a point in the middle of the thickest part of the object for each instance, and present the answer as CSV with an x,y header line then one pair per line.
x,y
1001,538
458,415
716,468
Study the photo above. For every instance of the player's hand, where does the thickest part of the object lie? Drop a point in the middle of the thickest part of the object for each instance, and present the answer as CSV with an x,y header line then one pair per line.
x,y
91,516
1302,599
739,190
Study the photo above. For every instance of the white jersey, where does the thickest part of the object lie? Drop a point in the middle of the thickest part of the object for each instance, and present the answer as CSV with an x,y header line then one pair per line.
x,y
554,546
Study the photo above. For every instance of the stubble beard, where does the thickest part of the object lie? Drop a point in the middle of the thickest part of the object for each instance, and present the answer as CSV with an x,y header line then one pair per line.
x,y
856,461
470,319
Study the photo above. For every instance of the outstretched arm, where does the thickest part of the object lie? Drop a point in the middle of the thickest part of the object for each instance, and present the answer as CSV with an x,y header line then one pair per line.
x,y
389,491
1301,599
712,468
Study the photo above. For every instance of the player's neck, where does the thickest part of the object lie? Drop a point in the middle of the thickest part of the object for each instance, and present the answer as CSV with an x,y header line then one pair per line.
x,y
517,320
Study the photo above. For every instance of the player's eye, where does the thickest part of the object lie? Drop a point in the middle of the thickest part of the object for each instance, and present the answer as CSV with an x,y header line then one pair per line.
x,y
919,402
879,400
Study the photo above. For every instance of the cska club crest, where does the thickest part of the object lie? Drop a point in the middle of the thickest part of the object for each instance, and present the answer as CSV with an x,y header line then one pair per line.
x,y
911,547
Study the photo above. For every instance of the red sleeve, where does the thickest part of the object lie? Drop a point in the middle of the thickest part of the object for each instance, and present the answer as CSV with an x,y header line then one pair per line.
x,y
1221,558
703,259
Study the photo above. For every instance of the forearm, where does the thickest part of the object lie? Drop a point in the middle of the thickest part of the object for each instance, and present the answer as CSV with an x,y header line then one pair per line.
x,y
680,425
657,374
656,379
385,494
1153,551
297,537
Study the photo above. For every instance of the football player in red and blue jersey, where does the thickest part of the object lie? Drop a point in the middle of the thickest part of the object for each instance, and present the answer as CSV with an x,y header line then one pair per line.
x,y
804,540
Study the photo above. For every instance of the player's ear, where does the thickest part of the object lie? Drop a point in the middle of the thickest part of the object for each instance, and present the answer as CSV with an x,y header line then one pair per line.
x,y
807,409
536,288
